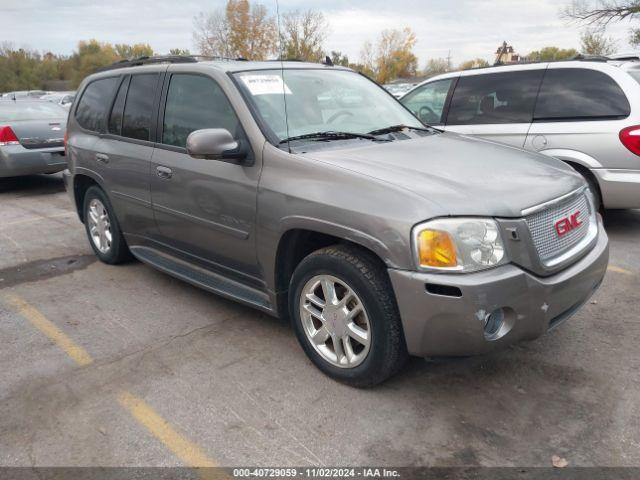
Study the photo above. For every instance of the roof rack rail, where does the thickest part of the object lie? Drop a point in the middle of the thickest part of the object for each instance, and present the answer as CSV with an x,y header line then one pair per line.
x,y
576,58
589,58
135,62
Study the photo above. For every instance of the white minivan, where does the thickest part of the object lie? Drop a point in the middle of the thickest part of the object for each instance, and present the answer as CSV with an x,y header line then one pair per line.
x,y
585,112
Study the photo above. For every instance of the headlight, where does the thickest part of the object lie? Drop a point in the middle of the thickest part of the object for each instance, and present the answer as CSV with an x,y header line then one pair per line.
x,y
458,245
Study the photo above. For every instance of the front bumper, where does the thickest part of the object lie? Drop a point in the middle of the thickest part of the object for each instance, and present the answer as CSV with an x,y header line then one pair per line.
x,y
439,325
619,188
15,161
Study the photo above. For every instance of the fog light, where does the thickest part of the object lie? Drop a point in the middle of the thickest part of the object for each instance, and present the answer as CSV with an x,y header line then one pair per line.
x,y
492,323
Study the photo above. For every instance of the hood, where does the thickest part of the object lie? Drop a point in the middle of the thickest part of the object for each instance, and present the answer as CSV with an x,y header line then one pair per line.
x,y
458,174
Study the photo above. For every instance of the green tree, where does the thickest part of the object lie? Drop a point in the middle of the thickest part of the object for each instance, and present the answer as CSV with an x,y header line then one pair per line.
x,y
475,63
338,58
548,54
179,51
90,56
136,50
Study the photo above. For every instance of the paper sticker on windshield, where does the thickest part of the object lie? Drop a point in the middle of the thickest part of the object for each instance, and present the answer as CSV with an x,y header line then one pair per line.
x,y
265,84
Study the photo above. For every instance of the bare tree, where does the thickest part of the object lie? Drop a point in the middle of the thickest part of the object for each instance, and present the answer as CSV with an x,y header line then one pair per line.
x,y
241,29
436,66
211,34
602,12
594,42
303,35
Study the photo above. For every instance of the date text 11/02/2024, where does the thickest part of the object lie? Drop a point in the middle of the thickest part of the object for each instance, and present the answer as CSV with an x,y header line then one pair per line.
x,y
323,472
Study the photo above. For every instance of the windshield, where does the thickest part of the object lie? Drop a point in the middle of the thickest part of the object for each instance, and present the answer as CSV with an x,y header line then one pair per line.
x,y
17,111
320,100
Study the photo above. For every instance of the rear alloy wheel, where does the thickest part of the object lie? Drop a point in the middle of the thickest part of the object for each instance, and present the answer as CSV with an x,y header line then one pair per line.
x,y
103,229
344,312
99,226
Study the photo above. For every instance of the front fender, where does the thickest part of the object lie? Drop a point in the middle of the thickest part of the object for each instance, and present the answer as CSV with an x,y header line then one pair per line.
x,y
295,222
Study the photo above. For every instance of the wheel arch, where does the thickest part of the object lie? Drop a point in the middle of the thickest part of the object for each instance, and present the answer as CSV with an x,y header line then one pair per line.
x,y
296,243
580,162
81,183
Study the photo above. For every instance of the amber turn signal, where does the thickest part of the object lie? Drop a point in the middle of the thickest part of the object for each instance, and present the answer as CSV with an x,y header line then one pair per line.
x,y
436,249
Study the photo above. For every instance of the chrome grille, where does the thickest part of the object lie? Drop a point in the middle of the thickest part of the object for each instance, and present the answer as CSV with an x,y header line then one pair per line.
x,y
542,226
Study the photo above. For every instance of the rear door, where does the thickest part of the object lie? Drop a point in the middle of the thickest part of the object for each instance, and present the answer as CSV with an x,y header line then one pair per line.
x,y
497,106
125,151
204,209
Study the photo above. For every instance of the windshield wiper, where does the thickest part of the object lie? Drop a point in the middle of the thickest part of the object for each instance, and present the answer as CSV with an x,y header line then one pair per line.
x,y
397,128
331,135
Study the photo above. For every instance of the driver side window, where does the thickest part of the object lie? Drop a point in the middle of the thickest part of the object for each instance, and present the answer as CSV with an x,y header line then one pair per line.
x,y
427,102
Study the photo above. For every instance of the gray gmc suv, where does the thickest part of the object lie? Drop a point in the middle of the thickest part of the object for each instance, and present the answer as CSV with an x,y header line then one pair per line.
x,y
308,192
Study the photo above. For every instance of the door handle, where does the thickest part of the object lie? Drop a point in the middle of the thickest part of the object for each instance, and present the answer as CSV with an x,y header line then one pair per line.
x,y
164,172
102,157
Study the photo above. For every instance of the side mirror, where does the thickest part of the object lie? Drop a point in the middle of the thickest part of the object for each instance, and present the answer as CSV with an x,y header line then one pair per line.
x,y
216,144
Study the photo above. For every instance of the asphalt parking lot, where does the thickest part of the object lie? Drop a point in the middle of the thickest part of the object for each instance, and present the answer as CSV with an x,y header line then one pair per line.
x,y
124,366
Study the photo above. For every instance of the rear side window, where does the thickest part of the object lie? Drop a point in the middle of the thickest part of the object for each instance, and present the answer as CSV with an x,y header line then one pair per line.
x,y
195,102
92,109
578,93
427,102
507,97
138,110
115,119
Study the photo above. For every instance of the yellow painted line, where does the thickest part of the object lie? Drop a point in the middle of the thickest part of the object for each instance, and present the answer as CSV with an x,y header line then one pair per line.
x,y
38,320
190,454
613,268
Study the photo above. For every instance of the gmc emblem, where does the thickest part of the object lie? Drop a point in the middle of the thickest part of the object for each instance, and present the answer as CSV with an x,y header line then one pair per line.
x,y
567,224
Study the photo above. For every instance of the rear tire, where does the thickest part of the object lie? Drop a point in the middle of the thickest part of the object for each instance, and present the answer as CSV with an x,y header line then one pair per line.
x,y
102,228
358,334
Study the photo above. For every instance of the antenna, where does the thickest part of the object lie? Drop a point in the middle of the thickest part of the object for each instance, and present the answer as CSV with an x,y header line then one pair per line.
x,y
284,85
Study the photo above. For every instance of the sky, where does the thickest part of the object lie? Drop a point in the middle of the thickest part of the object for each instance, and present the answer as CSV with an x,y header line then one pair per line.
x,y
463,29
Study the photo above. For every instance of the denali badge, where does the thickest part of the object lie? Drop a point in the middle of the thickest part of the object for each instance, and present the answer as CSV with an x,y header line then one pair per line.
x,y
566,224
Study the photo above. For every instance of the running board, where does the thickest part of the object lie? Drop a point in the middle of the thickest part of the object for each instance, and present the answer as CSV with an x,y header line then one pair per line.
x,y
204,279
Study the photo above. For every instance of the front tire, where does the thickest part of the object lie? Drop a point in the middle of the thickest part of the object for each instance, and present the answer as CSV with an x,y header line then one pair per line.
x,y
102,228
345,315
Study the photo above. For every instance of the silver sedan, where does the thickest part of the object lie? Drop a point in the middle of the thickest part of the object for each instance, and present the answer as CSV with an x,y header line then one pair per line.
x,y
31,138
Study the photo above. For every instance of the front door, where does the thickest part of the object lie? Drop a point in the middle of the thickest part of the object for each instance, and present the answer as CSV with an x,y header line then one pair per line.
x,y
204,209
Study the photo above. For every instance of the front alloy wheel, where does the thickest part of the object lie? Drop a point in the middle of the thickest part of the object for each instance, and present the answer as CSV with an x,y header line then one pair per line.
x,y
345,315
335,321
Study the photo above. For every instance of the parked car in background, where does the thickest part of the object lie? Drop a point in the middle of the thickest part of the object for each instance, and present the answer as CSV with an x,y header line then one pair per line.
x,y
24,94
398,89
586,113
307,192
31,137
64,99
